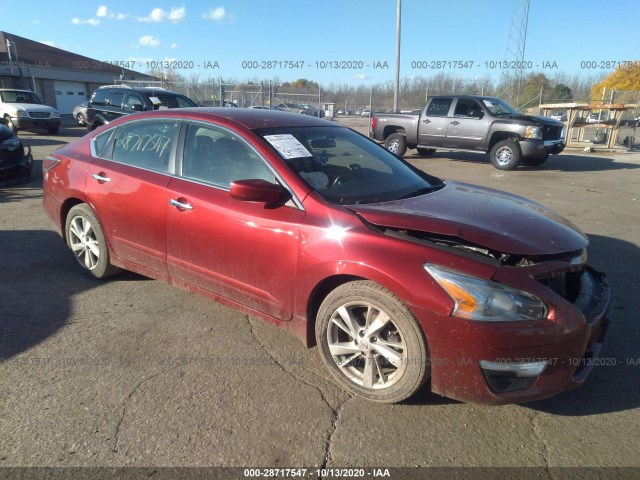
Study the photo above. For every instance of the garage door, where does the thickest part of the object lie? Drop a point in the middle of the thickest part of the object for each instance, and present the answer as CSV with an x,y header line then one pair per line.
x,y
69,94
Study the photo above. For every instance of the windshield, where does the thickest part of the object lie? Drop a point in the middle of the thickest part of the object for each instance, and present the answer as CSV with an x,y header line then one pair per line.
x,y
18,96
499,107
345,167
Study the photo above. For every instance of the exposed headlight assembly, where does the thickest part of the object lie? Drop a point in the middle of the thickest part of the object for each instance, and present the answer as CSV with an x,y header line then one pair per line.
x,y
485,300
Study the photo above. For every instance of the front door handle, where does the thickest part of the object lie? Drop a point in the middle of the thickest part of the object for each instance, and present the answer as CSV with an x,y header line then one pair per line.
x,y
180,204
101,177
426,120
455,123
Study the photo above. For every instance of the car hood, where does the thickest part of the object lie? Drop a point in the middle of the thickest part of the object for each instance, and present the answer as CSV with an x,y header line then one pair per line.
x,y
537,120
33,107
489,218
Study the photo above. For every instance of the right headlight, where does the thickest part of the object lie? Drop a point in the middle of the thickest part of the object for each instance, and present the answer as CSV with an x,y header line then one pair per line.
x,y
485,300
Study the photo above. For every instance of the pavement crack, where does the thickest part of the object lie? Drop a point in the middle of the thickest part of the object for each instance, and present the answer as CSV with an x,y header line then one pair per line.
x,y
326,458
545,448
335,411
125,403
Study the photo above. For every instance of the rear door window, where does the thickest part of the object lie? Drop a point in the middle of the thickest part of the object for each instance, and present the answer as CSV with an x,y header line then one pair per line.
x,y
439,107
146,144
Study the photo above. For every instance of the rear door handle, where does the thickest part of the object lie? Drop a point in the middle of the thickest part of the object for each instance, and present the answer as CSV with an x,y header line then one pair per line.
x,y
455,123
180,204
101,177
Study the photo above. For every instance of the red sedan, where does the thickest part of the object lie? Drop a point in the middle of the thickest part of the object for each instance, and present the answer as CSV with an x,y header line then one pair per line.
x,y
399,277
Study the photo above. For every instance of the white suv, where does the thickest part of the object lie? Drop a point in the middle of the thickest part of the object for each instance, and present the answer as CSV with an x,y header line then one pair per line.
x,y
23,110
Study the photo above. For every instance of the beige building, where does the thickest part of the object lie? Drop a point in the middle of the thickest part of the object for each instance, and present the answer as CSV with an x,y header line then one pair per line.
x,y
62,79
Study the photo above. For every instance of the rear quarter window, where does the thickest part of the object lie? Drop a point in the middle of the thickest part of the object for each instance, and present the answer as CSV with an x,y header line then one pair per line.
x,y
99,98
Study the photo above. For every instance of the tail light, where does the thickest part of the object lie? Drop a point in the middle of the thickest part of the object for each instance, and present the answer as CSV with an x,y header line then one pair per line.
x,y
374,122
48,164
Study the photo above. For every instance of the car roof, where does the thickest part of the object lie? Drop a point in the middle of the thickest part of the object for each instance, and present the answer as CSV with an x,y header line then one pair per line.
x,y
251,118
477,97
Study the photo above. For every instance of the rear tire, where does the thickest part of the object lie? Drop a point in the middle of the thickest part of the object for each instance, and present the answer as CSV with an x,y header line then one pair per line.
x,y
396,143
81,120
87,242
426,152
505,155
371,342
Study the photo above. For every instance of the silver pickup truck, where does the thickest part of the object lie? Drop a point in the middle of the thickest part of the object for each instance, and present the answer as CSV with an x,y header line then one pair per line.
x,y
472,123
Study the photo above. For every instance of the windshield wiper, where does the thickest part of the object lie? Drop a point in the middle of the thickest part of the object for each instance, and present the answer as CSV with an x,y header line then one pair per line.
x,y
422,191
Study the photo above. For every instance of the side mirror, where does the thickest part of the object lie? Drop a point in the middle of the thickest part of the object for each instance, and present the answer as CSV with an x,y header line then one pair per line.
x,y
257,190
136,107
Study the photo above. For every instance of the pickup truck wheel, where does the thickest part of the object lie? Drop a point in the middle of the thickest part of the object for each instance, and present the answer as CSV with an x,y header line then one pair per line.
x,y
396,143
371,342
53,131
535,161
426,152
505,155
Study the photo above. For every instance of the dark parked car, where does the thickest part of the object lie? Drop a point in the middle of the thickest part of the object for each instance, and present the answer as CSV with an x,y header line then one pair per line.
x,y
398,276
114,101
80,113
15,161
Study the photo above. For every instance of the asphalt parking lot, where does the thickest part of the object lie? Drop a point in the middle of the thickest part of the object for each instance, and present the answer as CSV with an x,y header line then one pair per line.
x,y
134,372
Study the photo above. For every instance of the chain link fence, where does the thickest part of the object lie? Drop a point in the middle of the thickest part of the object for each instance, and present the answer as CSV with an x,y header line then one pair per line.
x,y
243,95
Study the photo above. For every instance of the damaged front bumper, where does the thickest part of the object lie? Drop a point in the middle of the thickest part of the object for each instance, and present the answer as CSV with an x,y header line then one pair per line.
x,y
517,362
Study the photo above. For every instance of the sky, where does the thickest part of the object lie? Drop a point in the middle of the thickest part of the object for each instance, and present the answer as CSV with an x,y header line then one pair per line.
x,y
334,41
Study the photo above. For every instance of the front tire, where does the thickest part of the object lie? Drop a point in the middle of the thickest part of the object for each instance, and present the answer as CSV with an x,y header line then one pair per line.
x,y
53,131
87,242
396,143
371,343
81,120
505,155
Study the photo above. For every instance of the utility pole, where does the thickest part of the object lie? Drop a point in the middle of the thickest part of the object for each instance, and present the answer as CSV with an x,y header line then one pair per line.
x,y
396,86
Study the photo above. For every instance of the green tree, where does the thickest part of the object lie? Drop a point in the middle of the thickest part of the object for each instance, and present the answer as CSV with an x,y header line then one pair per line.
x,y
559,93
531,87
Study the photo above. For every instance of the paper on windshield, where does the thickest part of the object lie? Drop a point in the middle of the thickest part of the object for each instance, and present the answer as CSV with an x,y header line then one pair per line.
x,y
487,102
288,146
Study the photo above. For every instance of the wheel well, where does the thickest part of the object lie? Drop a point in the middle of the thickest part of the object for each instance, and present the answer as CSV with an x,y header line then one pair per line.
x,y
318,294
499,136
389,129
96,124
67,205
